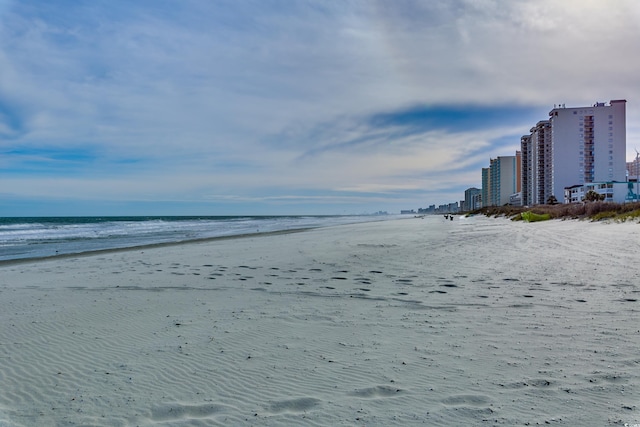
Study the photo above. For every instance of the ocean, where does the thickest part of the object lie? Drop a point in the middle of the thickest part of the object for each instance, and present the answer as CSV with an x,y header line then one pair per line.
x,y
25,238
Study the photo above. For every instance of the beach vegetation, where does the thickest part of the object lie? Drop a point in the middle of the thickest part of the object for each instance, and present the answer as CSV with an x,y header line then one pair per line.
x,y
594,211
593,196
529,216
604,215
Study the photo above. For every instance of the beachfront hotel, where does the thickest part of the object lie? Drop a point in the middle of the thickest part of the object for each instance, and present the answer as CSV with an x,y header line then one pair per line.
x,y
501,180
576,146
504,177
536,164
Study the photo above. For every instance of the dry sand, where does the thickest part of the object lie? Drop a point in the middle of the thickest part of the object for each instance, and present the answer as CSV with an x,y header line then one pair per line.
x,y
475,321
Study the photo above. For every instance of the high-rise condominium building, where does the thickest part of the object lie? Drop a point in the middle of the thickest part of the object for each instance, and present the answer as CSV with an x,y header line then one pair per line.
x,y
575,146
486,187
536,164
472,199
503,180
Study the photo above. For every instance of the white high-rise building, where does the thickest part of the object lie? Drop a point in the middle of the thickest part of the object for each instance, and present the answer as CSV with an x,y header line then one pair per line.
x,y
575,146
588,144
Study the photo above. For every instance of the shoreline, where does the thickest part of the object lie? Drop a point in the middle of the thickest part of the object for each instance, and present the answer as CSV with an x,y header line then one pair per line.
x,y
92,246
149,246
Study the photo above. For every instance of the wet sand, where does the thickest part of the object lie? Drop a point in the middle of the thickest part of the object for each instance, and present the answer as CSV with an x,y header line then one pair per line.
x,y
416,321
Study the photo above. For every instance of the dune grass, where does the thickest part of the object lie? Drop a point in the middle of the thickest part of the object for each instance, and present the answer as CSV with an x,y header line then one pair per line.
x,y
593,211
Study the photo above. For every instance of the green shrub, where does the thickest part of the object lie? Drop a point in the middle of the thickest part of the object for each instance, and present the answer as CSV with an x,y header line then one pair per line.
x,y
530,216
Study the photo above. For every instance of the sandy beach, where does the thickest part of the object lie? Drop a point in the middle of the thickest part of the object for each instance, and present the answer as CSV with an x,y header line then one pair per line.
x,y
477,321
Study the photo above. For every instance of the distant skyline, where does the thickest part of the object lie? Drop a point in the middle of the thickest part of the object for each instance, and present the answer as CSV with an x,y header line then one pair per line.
x,y
199,107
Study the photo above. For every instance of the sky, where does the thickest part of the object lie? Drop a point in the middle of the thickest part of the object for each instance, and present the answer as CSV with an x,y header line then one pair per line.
x,y
289,107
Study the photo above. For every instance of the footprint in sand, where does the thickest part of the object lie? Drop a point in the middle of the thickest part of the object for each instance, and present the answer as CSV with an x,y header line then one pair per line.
x,y
466,400
377,391
178,411
302,404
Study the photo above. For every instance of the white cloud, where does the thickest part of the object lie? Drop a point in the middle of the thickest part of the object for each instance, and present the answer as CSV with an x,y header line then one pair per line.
x,y
225,98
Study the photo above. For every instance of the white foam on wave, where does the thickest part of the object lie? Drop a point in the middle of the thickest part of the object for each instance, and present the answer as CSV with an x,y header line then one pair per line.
x,y
40,239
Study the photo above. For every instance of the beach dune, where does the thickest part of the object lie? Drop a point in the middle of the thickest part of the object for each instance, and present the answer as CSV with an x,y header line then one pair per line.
x,y
404,322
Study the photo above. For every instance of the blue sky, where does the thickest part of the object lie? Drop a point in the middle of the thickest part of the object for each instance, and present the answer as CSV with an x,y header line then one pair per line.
x,y
289,107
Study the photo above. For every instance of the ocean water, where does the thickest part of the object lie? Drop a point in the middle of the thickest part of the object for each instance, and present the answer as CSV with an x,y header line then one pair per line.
x,y
23,238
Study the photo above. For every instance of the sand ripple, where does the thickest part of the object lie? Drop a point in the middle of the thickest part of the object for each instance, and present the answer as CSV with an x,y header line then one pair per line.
x,y
397,323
